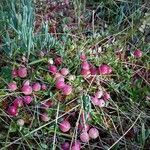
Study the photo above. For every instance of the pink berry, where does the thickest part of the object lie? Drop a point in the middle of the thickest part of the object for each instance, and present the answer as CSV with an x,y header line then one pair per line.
x,y
106,96
137,53
26,82
58,61
44,87
12,86
60,85
18,102
93,70
104,69
52,69
99,94
85,65
67,90
101,103
64,71
84,137
95,101
85,73
93,133
60,79
44,117
65,126
12,111
22,72
76,146
65,146
58,75
26,89
36,87
27,99
46,104
14,73
83,57
84,127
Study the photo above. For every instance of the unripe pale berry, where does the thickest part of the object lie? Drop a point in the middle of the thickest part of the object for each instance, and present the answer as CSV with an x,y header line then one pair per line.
x,y
64,71
26,89
20,122
84,137
65,126
101,103
36,87
12,86
93,133
22,72
44,117
95,101
99,94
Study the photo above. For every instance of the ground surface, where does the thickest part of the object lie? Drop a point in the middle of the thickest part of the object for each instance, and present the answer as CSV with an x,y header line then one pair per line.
x,y
36,35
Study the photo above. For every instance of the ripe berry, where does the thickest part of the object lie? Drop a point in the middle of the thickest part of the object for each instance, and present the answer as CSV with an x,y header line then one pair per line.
x,y
65,126
22,72
26,89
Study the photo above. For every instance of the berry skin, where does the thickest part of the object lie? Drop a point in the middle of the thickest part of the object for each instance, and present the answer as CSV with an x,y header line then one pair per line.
x,y
137,53
65,126
26,89
12,86
22,72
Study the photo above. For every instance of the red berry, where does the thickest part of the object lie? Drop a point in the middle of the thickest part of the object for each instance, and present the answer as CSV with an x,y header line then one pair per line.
x,y
52,69
27,99
26,89
65,126
43,86
46,104
14,73
60,85
12,110
65,146
22,72
106,96
76,146
83,57
85,73
58,61
104,69
36,87
137,53
18,102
